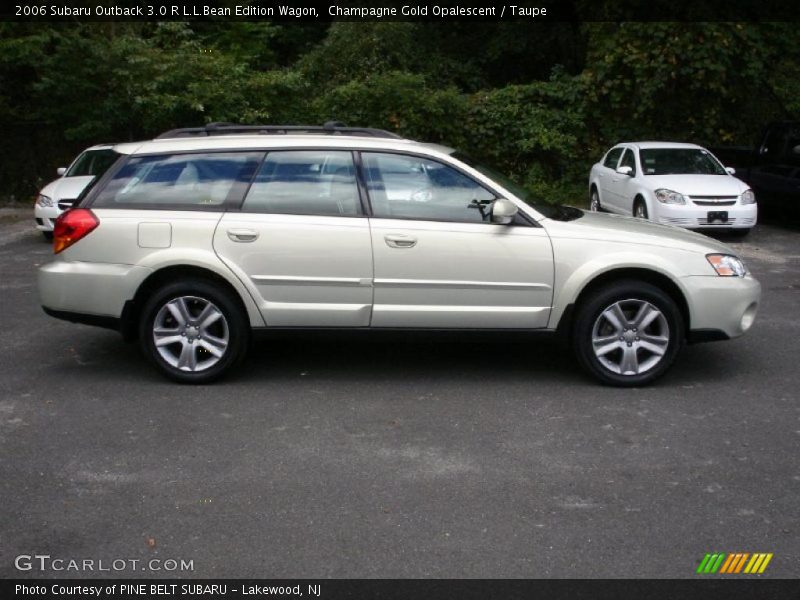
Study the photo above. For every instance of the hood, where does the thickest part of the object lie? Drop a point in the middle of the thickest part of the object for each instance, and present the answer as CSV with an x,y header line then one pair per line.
x,y
629,230
698,185
66,188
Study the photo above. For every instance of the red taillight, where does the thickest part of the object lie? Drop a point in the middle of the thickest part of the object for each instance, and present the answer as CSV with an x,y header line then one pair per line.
x,y
72,226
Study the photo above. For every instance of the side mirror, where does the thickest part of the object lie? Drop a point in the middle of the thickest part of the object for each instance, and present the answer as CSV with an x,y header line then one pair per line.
x,y
626,170
61,171
730,170
503,211
796,149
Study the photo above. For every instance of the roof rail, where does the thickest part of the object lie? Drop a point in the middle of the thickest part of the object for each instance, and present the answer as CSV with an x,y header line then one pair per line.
x,y
329,128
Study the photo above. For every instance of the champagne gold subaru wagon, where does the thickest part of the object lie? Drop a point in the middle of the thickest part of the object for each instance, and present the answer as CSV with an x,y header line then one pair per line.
x,y
193,241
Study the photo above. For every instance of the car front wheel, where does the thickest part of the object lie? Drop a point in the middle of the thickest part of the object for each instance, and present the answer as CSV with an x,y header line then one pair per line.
x,y
640,210
628,333
193,331
594,201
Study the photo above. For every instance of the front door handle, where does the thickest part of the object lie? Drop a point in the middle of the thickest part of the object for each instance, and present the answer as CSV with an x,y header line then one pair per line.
x,y
398,240
242,235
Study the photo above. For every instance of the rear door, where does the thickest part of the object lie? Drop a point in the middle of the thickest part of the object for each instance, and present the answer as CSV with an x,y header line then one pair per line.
x,y
301,241
440,262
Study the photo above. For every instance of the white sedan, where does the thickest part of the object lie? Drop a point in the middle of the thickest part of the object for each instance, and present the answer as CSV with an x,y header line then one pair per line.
x,y
673,184
60,194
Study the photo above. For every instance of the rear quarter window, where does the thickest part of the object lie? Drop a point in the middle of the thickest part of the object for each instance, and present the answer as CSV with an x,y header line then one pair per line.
x,y
180,181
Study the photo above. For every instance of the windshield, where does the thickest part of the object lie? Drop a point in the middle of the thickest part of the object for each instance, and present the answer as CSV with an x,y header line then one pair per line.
x,y
92,162
679,161
551,211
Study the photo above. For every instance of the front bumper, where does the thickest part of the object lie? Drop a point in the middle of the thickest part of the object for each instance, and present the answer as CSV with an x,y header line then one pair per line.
x,y
721,307
45,216
691,216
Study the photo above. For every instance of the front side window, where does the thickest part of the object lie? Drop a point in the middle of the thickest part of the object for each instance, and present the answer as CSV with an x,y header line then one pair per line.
x,y
92,162
612,158
628,160
302,182
179,180
679,161
409,187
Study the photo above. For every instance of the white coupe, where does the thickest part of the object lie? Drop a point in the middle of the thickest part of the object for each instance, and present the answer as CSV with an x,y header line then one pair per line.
x,y
673,184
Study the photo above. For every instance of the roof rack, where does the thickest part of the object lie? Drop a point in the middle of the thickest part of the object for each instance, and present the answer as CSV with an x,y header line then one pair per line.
x,y
329,128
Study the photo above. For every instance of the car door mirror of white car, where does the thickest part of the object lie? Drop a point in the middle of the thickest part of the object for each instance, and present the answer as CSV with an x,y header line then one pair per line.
x,y
503,211
730,170
626,170
796,149
61,171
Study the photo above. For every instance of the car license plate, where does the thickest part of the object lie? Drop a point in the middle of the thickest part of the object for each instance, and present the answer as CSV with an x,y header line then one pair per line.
x,y
720,216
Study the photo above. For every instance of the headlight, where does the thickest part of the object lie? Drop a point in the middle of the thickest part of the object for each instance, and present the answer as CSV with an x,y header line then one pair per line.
x,y
726,265
669,197
748,197
44,200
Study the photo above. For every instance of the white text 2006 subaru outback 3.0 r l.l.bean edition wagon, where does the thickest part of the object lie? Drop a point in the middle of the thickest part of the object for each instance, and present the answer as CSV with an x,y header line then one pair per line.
x,y
194,240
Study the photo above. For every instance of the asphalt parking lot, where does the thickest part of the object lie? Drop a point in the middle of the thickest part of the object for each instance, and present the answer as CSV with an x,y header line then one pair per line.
x,y
398,456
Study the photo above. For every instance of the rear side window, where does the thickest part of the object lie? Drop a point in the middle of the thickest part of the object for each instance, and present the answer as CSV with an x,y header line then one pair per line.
x,y
179,181
612,158
301,182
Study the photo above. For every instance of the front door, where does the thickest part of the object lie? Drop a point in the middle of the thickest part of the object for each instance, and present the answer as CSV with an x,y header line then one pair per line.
x,y
438,260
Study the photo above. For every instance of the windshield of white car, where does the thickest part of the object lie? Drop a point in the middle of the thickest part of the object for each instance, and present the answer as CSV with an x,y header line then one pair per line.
x,y
92,162
679,161
551,211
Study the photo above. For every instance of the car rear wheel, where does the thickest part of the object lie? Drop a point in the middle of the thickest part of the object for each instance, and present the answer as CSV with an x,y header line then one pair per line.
x,y
48,235
628,333
193,331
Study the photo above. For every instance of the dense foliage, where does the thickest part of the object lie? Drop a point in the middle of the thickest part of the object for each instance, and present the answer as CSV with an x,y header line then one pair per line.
x,y
540,101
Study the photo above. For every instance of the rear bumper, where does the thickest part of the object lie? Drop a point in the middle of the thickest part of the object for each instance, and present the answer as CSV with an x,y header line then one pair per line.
x,y
95,320
96,290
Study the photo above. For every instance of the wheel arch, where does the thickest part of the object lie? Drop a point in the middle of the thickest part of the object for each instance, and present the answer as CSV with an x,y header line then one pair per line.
x,y
651,276
639,197
169,274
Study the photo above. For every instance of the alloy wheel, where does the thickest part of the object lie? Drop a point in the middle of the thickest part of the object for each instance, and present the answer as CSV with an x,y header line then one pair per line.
x,y
191,333
630,337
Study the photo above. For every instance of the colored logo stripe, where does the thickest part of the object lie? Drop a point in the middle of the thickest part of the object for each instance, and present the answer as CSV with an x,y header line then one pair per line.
x,y
734,562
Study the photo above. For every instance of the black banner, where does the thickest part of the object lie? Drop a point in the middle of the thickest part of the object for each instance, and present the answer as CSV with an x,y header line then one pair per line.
x,y
393,10
388,589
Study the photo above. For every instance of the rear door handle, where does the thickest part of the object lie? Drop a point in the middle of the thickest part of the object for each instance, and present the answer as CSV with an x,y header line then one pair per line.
x,y
398,240
242,235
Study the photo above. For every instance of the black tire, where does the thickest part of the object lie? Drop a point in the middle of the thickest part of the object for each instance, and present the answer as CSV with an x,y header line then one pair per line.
x,y
631,295
231,325
639,203
48,235
594,201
